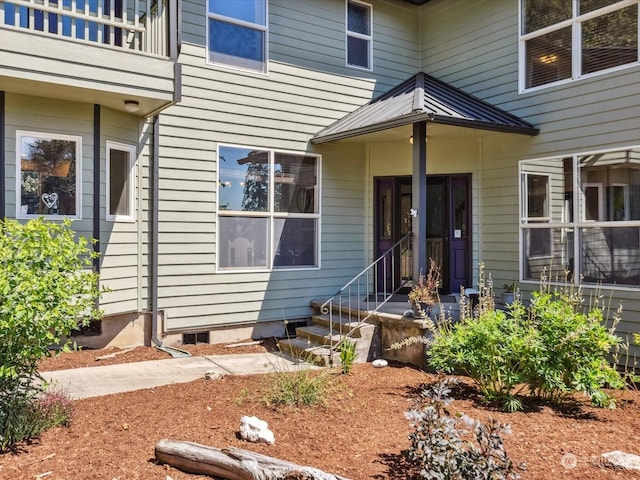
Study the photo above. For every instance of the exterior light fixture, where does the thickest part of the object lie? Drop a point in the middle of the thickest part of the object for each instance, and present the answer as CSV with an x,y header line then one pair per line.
x,y
131,105
411,139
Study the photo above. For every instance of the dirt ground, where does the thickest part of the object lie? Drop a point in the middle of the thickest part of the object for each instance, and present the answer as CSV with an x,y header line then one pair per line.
x,y
360,434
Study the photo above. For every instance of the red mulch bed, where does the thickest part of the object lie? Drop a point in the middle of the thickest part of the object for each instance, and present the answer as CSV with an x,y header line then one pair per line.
x,y
360,434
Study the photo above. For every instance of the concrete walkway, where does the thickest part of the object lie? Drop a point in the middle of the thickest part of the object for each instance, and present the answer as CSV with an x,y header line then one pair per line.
x,y
96,381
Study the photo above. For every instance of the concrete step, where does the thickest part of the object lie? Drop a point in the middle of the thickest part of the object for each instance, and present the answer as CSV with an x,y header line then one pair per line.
x,y
309,352
318,334
341,325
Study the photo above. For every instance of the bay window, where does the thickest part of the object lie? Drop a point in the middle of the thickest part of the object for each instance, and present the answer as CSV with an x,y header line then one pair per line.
x,y
580,214
565,40
47,175
268,209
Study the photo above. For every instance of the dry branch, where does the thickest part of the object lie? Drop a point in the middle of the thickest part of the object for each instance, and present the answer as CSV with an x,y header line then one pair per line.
x,y
233,463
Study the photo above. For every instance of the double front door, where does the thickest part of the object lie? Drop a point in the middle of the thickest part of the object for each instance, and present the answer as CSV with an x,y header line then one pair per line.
x,y
448,227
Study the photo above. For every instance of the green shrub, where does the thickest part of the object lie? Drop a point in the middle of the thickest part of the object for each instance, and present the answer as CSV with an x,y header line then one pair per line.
x,y
555,348
442,447
573,348
45,293
491,348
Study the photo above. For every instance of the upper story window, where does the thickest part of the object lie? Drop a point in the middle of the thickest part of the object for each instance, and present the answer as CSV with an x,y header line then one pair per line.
x,y
238,33
48,177
359,34
566,40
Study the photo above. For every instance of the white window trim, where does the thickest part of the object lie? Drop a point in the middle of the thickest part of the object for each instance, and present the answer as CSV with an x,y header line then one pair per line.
x,y
131,150
576,27
270,214
349,33
48,136
241,23
577,225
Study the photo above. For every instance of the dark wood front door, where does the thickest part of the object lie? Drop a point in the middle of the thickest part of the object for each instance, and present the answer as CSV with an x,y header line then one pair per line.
x,y
448,226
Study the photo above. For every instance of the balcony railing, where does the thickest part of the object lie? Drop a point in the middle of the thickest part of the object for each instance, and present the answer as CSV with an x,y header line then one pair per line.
x,y
139,25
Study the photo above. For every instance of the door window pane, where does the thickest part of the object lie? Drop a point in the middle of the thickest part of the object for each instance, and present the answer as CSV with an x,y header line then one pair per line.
x,y
295,241
47,170
243,242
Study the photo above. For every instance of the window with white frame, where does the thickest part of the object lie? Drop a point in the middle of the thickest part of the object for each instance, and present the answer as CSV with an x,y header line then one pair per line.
x,y
237,33
359,34
590,217
120,182
565,40
268,209
47,175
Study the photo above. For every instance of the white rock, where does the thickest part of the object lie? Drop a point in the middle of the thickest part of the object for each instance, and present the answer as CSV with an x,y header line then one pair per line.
x,y
379,363
252,429
213,375
618,459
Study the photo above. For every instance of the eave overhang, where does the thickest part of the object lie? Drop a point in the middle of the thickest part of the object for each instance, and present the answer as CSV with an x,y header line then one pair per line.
x,y
423,98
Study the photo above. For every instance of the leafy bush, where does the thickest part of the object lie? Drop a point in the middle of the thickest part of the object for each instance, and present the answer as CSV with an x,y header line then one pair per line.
x,y
45,293
573,345
443,448
555,348
492,349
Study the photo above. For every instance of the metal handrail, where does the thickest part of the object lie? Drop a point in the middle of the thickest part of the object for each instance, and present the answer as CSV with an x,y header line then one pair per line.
x,y
369,277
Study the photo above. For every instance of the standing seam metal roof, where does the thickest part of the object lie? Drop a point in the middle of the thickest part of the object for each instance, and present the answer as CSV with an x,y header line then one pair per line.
x,y
423,98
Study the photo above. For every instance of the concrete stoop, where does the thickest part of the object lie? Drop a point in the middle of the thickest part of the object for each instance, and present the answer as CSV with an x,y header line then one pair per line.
x,y
313,342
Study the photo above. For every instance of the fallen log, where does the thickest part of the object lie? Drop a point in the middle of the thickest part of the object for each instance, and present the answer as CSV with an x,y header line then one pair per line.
x,y
233,463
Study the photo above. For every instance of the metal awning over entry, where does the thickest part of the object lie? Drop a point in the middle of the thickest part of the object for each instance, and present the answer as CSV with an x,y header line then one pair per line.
x,y
419,101
423,98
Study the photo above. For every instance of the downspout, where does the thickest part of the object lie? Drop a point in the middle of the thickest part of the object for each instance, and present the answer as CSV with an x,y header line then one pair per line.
x,y
155,170
3,162
155,202
96,193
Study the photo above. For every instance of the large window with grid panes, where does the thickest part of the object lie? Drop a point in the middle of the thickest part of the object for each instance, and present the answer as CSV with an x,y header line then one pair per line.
x,y
268,209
